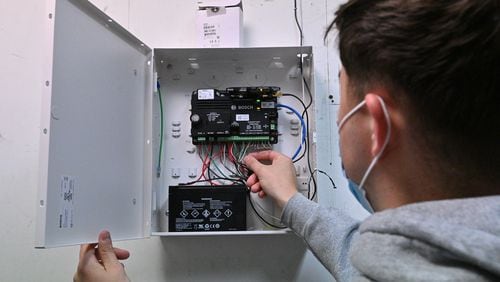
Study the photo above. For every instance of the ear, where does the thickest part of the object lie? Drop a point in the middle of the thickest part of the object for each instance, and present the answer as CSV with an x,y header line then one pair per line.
x,y
379,126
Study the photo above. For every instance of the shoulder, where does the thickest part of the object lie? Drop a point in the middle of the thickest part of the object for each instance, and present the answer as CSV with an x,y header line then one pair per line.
x,y
420,241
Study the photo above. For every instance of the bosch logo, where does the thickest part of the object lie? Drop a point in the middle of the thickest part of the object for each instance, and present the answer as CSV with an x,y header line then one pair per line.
x,y
249,107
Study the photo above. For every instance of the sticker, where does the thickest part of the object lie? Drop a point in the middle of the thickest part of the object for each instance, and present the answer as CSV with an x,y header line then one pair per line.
x,y
206,94
243,117
267,105
67,200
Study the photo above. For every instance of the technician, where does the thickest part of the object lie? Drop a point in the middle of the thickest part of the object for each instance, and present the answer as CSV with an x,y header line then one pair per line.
x,y
419,137
419,130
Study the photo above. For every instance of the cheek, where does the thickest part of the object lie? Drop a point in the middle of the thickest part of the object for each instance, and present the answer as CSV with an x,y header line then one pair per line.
x,y
341,113
354,152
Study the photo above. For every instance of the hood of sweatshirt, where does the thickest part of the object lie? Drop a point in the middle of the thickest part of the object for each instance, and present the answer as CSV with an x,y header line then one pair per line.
x,y
455,239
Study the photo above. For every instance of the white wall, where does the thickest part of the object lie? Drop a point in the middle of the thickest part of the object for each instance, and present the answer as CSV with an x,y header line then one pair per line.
x,y
165,23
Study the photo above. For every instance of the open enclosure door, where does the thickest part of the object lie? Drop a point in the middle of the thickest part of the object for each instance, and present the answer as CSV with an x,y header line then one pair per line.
x,y
95,152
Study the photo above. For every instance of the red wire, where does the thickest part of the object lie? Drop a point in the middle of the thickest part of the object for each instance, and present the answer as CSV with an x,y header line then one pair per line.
x,y
231,155
206,161
203,168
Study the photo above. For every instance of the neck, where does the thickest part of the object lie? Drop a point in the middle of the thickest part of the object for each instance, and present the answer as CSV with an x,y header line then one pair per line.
x,y
395,181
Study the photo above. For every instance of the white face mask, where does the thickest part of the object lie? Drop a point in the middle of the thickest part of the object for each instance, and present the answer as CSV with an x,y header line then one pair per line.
x,y
357,190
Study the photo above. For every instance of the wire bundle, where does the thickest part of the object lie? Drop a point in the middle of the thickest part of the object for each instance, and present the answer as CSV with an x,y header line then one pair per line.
x,y
222,163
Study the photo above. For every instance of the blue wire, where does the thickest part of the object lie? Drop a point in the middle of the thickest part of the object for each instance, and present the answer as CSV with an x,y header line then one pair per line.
x,y
303,124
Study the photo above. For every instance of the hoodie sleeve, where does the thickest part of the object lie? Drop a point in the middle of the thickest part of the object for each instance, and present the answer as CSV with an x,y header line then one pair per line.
x,y
328,233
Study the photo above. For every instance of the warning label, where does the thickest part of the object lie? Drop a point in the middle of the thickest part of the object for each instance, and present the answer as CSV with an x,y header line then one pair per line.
x,y
206,209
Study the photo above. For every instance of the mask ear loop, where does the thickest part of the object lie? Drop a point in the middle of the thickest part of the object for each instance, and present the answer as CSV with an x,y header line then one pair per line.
x,y
386,142
350,114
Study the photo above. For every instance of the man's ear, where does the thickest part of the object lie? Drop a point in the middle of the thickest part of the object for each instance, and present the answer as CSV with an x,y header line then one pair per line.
x,y
379,126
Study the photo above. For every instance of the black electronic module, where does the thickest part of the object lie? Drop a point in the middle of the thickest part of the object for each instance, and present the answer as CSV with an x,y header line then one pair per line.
x,y
236,114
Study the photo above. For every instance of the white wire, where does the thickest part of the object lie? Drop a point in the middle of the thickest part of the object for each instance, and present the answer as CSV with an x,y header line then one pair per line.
x,y
265,211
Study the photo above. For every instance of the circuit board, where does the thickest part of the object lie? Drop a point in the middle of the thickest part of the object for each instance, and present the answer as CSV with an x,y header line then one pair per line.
x,y
236,114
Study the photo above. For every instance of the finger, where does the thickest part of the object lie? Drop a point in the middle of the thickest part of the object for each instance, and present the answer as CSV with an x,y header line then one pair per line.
x,y
252,179
266,155
253,163
256,187
262,194
85,248
106,251
121,253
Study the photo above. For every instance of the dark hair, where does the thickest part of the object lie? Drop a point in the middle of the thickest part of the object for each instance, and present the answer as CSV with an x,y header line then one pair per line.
x,y
441,61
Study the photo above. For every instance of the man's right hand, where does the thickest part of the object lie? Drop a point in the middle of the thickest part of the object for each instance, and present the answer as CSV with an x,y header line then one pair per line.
x,y
274,175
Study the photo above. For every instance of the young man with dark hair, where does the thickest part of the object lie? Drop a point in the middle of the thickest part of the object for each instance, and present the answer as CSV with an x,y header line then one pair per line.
x,y
419,134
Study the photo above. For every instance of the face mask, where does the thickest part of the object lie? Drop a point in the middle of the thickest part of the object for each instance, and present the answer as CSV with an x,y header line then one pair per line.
x,y
360,195
357,190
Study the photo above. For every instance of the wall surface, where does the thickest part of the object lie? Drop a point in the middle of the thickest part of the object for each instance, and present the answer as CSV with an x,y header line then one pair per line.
x,y
159,23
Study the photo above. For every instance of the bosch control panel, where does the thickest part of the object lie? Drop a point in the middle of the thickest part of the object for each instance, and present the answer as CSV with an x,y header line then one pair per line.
x,y
236,114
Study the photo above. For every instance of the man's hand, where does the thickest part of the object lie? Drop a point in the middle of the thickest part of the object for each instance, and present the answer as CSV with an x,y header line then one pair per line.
x,y
276,179
101,263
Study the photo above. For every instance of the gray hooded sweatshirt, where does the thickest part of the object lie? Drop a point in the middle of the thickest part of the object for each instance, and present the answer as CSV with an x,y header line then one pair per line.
x,y
449,240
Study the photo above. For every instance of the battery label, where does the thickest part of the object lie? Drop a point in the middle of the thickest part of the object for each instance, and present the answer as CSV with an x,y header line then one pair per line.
x,y
207,209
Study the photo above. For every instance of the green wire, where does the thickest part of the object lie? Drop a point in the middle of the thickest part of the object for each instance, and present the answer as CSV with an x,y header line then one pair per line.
x,y
158,168
214,162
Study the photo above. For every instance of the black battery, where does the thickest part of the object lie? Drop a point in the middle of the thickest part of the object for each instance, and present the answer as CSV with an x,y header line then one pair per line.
x,y
207,208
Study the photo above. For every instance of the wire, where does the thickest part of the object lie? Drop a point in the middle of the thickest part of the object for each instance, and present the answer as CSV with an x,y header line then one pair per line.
x,y
266,212
234,180
297,22
308,89
242,181
260,216
304,133
300,101
309,183
300,58
304,114
158,167
210,163
311,171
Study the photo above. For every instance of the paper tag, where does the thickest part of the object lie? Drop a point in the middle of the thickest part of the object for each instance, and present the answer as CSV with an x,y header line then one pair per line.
x,y
206,94
66,200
